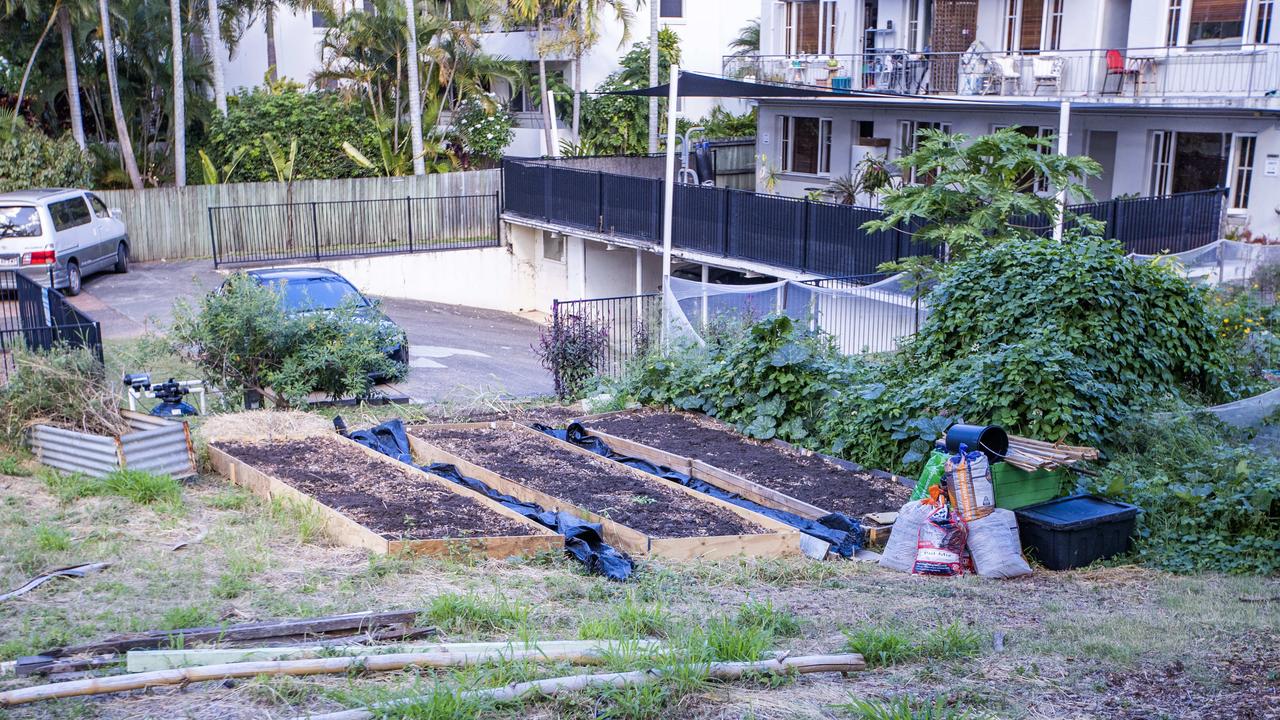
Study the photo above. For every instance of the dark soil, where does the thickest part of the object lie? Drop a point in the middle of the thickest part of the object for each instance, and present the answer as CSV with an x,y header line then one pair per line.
x,y
648,505
809,478
395,503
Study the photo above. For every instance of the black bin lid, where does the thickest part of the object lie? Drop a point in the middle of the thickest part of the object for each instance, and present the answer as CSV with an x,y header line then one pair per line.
x,y
1078,511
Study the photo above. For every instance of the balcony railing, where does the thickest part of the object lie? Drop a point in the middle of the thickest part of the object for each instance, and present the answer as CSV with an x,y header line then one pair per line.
x,y
1248,74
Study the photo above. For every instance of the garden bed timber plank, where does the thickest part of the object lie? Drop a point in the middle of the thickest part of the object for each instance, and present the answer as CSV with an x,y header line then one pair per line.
x,y
347,531
776,540
893,487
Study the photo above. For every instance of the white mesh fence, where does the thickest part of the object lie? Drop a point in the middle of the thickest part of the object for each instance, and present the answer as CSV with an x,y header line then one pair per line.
x,y
1223,262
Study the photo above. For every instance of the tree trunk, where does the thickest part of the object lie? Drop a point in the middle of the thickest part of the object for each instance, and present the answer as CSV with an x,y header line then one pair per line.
x,y
270,20
26,73
113,89
179,119
542,90
415,92
580,48
214,42
653,75
73,76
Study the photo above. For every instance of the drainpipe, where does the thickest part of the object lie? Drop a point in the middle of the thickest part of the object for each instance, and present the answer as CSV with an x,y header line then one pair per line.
x,y
668,188
1064,130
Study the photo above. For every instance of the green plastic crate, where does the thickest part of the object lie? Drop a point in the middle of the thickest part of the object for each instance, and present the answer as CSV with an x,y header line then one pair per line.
x,y
1016,488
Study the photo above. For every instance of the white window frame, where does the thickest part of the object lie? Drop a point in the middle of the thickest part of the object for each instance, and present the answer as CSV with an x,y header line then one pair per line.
x,y
1235,168
1011,39
1160,168
1182,33
912,25
1257,10
828,27
1051,29
786,145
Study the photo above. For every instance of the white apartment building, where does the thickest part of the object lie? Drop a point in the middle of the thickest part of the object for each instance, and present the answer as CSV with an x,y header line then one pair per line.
x,y
1168,95
705,27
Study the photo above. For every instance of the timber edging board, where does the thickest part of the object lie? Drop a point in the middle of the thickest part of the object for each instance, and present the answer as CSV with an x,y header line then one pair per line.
x,y
779,540
347,531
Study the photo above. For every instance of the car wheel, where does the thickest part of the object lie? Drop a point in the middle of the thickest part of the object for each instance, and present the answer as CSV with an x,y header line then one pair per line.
x,y
73,278
401,355
122,258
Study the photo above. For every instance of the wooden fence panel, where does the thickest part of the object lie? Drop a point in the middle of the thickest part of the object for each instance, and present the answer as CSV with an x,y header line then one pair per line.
x,y
170,223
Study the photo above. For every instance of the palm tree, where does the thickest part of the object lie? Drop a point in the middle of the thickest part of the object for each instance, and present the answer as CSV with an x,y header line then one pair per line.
x,y
415,91
528,12
748,40
117,111
179,118
213,38
586,34
73,76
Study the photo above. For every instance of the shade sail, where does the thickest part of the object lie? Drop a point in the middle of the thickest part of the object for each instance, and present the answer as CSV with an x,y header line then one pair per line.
x,y
698,85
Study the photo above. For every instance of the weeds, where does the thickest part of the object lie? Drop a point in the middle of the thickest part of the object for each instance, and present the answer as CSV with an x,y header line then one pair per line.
x,y
630,619
728,640
50,538
139,486
309,521
230,499
186,616
461,613
763,615
13,467
889,645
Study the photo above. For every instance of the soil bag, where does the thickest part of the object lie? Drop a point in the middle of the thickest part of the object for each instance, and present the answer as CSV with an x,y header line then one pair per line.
x,y
996,547
582,540
843,535
968,481
933,472
900,550
940,547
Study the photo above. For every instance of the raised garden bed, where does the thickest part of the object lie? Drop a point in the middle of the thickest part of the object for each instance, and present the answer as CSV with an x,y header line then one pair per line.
x,y
640,513
816,483
156,445
372,501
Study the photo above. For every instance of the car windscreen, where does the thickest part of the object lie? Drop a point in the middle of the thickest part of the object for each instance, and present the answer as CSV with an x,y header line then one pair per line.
x,y
323,293
19,221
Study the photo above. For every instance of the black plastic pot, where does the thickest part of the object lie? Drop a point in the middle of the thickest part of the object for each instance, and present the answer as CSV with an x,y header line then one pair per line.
x,y
990,439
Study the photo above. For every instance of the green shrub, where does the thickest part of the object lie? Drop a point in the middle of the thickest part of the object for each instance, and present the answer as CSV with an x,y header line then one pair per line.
x,y
572,349
1209,501
320,121
29,158
242,339
485,129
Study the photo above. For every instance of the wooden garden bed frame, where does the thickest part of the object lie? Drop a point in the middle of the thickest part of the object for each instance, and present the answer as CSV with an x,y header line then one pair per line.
x,y
733,482
781,540
347,531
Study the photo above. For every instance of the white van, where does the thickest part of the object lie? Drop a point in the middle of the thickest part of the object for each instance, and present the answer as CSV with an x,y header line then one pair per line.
x,y
61,236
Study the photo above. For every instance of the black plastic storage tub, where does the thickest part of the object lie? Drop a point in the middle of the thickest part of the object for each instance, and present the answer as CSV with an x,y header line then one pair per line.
x,y
1072,532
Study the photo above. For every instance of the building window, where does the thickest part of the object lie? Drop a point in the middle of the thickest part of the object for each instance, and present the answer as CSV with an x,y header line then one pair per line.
x,y
806,144
1216,21
1053,31
809,28
909,141
1012,21
671,9
1242,170
913,26
1262,21
1173,26
553,246
1188,161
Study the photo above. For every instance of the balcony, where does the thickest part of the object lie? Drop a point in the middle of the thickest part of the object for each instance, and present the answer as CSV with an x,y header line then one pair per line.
x,y
1246,77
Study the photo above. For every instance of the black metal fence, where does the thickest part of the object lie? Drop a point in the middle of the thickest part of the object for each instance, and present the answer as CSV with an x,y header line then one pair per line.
x,y
617,329
37,318
320,230
816,237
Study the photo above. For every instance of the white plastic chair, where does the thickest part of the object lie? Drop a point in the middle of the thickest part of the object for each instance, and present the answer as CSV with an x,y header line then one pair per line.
x,y
1006,70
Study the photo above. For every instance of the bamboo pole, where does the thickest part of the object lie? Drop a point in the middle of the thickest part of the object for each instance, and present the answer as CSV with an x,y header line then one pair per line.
x,y
552,687
317,666
152,660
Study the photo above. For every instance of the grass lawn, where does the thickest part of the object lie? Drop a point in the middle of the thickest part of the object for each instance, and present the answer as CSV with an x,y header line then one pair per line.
x,y
1115,641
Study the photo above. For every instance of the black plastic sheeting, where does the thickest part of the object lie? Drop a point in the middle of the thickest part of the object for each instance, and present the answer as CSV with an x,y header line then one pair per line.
x,y
582,540
844,535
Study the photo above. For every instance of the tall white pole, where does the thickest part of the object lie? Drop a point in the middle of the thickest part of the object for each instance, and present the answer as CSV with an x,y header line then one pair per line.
x,y
1064,132
653,75
669,188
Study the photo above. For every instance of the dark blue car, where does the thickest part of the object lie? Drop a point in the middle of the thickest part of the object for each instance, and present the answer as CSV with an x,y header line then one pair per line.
x,y
306,290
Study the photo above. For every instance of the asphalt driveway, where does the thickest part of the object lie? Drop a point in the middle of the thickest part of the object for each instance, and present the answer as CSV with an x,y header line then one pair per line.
x,y
456,353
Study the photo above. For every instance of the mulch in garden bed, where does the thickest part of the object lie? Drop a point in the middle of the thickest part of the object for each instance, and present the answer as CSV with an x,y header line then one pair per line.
x,y
393,502
806,477
649,506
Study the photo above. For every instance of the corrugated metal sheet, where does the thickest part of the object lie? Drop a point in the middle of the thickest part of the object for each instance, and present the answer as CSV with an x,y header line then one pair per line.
x,y
173,222
156,445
